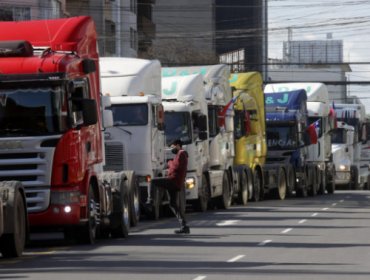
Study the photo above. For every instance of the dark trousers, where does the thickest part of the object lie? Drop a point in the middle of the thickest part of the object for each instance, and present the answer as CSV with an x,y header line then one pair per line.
x,y
174,195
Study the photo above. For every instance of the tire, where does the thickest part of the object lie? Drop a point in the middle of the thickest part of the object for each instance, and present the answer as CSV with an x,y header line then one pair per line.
x,y
202,202
291,181
354,178
224,202
257,188
121,207
88,232
134,198
323,181
280,191
243,189
155,212
314,183
12,244
301,191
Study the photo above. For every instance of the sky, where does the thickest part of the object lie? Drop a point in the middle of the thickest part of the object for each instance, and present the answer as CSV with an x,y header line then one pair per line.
x,y
347,20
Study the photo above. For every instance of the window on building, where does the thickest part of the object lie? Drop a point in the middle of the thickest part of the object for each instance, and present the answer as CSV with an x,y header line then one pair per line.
x,y
15,13
50,9
110,37
133,39
133,6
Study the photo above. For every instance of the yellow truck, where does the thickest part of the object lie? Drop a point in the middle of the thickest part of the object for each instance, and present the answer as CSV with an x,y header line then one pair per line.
x,y
249,135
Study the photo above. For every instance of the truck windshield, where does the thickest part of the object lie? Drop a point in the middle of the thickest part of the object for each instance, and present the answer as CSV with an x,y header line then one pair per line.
x,y
33,110
130,114
338,136
177,126
281,137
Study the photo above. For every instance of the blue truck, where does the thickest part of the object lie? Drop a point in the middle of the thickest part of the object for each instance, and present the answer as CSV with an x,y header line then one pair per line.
x,y
288,140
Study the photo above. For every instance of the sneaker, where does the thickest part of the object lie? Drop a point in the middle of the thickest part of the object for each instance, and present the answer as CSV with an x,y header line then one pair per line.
x,y
184,229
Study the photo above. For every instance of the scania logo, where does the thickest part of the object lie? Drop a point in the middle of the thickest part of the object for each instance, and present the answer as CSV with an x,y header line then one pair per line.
x,y
10,145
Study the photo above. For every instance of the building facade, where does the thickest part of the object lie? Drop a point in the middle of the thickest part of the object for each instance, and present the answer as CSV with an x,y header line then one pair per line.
x,y
116,24
319,61
32,9
241,34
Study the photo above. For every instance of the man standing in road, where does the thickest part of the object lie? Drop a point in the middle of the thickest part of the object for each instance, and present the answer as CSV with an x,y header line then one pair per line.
x,y
174,182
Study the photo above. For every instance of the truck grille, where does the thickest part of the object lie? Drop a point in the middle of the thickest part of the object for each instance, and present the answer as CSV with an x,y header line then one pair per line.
x,y
115,157
32,166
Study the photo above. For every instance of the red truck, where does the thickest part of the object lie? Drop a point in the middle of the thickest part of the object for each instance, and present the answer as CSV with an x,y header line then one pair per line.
x,y
51,128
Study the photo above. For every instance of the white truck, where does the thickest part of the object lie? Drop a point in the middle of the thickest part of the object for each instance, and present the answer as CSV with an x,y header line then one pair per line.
x,y
343,154
318,107
136,140
355,115
189,101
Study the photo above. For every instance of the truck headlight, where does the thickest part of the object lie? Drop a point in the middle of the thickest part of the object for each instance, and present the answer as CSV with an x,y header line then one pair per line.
x,y
189,183
65,198
343,167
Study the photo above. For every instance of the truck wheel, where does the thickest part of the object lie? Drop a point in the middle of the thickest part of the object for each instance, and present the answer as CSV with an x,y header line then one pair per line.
x,y
203,196
354,178
291,180
121,212
155,211
323,181
134,203
280,191
12,244
243,188
314,183
257,187
88,232
225,199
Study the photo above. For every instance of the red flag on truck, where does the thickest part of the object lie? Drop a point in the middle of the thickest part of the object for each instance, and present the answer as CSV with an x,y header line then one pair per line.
x,y
311,130
222,113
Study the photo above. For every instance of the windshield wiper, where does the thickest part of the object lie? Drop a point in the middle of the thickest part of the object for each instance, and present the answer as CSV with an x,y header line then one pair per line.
x,y
118,125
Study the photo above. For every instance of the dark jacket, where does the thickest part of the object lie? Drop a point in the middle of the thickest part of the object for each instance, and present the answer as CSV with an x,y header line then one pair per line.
x,y
177,168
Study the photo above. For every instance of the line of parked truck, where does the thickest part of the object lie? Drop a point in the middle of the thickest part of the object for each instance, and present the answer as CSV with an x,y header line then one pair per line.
x,y
81,137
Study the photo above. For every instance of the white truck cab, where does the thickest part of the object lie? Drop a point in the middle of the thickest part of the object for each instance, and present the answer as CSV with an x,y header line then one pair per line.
x,y
136,140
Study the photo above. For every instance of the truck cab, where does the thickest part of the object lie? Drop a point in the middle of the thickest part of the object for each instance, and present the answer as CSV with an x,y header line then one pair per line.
x,y
136,141
217,98
343,152
355,115
318,107
286,130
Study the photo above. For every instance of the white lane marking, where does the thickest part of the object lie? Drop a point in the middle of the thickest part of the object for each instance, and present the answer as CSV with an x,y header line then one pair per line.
x,y
227,223
333,204
264,242
236,258
200,277
324,209
314,214
342,200
286,230
302,221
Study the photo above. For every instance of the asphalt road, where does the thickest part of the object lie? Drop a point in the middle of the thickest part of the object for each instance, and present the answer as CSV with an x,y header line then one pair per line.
x,y
322,237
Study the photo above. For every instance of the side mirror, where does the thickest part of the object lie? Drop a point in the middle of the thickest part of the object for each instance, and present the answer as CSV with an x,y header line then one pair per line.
x,y
89,112
107,118
202,122
88,66
203,135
